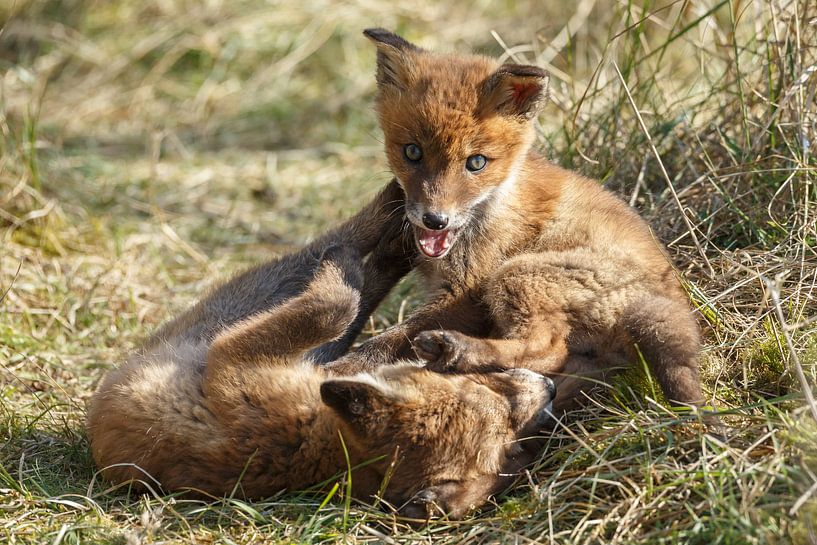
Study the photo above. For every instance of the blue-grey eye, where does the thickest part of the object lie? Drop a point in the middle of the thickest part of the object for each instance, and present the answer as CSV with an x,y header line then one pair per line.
x,y
412,152
475,163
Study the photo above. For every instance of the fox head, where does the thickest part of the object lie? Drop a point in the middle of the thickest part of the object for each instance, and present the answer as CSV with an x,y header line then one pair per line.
x,y
450,430
457,130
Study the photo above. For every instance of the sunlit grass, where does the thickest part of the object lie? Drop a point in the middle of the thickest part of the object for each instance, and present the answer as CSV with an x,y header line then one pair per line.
x,y
148,149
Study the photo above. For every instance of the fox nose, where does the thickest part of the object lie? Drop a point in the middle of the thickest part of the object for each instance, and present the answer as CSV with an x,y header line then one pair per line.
x,y
435,222
551,386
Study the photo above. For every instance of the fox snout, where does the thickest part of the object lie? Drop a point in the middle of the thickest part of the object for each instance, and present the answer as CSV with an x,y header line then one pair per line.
x,y
435,221
434,229
434,218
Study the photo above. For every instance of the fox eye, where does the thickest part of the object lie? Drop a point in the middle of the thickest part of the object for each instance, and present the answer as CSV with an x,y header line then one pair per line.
x,y
412,152
475,163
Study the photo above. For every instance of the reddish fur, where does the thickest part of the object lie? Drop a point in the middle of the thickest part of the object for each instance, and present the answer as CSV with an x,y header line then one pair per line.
x,y
549,271
223,400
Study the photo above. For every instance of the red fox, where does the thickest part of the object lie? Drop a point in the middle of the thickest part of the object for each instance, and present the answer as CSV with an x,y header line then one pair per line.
x,y
225,400
529,265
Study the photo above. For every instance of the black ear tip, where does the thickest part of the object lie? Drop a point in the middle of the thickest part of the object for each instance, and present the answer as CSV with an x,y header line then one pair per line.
x,y
525,71
385,37
331,392
375,33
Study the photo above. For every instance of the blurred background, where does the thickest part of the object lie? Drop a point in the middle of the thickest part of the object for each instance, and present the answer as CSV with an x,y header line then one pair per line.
x,y
148,148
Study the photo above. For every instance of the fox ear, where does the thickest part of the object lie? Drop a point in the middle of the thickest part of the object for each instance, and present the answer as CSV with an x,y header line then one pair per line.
x,y
517,90
393,57
351,398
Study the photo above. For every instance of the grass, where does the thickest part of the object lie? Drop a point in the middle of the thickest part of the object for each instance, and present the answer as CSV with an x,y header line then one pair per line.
x,y
149,148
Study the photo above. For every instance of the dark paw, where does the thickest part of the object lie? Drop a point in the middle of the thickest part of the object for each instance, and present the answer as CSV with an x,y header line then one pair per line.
x,y
441,349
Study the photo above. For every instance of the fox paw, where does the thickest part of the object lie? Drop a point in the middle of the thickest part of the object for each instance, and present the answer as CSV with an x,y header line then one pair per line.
x,y
446,351
439,348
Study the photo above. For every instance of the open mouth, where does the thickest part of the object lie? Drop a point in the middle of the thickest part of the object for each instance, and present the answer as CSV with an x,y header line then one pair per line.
x,y
434,244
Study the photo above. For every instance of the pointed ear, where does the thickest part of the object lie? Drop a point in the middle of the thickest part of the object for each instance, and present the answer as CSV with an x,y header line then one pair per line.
x,y
352,398
393,57
516,90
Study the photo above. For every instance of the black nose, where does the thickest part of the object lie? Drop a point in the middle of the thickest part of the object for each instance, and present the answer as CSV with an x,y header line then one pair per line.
x,y
551,386
436,222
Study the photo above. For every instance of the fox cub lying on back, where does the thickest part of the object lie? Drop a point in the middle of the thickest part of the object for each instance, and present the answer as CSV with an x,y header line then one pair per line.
x,y
223,399
529,265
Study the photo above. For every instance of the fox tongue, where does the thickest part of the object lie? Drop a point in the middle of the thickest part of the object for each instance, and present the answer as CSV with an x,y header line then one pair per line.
x,y
433,243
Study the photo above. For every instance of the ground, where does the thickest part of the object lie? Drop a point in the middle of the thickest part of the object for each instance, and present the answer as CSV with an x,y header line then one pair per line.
x,y
148,149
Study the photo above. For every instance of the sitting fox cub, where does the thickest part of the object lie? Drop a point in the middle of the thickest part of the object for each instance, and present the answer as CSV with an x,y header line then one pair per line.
x,y
530,265
222,399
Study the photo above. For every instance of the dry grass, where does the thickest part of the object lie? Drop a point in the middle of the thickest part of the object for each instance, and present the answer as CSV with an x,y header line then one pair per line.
x,y
148,148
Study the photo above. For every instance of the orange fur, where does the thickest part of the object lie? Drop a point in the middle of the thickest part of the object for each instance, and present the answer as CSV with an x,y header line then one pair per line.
x,y
226,398
535,266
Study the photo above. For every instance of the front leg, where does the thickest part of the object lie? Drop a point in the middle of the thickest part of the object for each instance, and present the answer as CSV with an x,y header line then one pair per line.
x,y
390,261
452,351
456,312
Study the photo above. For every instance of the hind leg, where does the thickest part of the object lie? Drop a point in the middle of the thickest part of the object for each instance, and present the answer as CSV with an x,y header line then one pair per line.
x,y
321,313
388,263
667,335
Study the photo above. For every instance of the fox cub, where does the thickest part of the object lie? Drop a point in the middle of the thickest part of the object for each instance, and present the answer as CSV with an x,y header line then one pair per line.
x,y
225,399
529,265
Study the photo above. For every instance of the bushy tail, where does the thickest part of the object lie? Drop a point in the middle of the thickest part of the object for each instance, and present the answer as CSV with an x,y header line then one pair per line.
x,y
667,336
320,314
